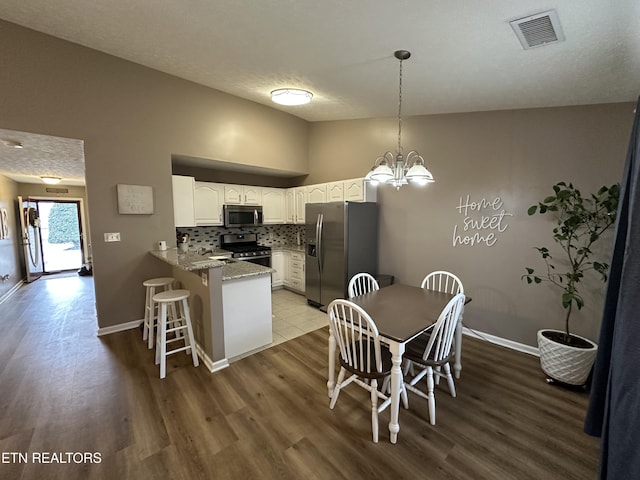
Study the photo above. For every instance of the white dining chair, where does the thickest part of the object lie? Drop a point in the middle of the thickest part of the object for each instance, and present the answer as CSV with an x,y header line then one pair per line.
x,y
362,283
443,281
431,352
362,356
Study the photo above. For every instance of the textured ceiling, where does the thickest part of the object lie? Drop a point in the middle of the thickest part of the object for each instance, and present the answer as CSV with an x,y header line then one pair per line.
x,y
465,56
41,155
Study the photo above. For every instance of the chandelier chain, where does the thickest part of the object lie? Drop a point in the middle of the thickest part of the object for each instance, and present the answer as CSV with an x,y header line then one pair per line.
x,y
400,112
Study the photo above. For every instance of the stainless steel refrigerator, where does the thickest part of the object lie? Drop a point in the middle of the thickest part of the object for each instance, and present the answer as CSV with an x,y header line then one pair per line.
x,y
341,240
31,239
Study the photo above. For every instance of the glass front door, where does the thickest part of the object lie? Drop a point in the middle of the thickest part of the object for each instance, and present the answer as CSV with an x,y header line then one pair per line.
x,y
61,233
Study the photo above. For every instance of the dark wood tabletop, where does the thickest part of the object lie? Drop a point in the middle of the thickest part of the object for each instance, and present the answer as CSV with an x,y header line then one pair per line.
x,y
402,311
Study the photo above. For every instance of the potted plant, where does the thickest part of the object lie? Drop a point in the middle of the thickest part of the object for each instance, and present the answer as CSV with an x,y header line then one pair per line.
x,y
580,223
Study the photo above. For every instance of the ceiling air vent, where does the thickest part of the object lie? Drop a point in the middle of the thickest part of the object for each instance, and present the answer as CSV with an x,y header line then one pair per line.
x,y
538,30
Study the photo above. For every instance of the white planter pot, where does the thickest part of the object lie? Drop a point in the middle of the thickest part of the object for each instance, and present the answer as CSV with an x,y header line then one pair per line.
x,y
565,363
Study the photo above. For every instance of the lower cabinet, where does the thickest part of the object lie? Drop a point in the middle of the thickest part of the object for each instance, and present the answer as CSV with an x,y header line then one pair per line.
x,y
278,265
288,270
294,278
247,324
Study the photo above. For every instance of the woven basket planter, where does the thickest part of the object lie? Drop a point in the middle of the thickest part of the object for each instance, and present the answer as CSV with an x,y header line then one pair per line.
x,y
564,363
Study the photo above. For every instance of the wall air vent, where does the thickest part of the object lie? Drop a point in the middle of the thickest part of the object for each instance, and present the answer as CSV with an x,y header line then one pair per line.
x,y
538,30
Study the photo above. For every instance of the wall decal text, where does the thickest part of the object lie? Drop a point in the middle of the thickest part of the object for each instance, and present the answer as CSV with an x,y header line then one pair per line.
x,y
483,221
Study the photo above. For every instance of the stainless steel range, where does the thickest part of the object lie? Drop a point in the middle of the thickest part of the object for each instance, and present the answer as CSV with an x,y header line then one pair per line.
x,y
244,246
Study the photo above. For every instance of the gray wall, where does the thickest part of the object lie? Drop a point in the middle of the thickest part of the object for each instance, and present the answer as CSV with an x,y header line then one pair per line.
x,y
515,155
9,259
132,120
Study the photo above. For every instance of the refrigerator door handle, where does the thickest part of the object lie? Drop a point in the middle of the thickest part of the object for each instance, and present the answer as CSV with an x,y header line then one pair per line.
x,y
319,242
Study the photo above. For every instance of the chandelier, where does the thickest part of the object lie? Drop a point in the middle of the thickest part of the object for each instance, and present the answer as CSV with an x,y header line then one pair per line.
x,y
398,170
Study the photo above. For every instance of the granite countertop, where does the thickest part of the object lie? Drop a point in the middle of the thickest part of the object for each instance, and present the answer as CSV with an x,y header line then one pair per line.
x,y
240,269
191,261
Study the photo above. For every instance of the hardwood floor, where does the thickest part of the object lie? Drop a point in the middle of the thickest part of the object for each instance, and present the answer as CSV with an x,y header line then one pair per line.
x,y
266,416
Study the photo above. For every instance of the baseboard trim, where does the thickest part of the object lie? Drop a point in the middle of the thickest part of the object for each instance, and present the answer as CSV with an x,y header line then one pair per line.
x,y
210,364
503,342
13,290
121,327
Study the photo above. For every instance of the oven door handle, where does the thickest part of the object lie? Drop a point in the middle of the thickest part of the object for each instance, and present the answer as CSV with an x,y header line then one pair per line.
x,y
244,259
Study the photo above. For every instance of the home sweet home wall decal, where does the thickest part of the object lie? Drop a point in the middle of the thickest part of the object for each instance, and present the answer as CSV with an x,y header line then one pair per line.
x,y
483,221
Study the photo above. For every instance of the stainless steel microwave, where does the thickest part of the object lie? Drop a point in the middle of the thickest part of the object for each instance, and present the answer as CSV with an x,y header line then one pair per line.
x,y
242,215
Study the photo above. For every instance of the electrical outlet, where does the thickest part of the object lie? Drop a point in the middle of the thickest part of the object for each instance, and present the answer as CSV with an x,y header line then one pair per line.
x,y
112,237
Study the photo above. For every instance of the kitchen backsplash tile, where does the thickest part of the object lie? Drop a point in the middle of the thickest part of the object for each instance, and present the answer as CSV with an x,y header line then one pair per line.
x,y
271,235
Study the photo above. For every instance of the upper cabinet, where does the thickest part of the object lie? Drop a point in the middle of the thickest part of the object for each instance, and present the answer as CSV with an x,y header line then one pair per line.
x,y
183,201
354,190
273,208
295,200
252,195
200,203
242,195
209,198
290,206
317,193
335,191
300,201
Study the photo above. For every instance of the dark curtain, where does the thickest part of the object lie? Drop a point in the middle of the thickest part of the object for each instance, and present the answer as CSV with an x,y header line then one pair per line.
x,y
614,405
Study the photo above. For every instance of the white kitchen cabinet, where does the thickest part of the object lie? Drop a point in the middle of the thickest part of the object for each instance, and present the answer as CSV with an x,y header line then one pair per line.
x,y
209,198
247,324
354,190
317,193
300,203
273,209
357,190
183,201
242,195
295,278
290,205
233,194
252,195
278,266
335,191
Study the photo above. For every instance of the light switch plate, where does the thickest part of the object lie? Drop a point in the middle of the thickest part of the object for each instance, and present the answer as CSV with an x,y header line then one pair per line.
x,y
112,237
205,279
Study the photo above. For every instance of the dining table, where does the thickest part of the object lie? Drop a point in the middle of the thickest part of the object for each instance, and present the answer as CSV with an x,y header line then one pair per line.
x,y
401,313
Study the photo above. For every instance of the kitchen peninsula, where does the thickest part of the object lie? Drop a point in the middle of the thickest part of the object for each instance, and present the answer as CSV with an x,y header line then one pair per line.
x,y
230,303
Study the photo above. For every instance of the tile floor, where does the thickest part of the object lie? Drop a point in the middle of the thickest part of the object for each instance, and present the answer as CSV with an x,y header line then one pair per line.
x,y
292,316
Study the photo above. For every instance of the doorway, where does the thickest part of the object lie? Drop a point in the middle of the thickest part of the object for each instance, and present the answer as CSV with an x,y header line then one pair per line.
x,y
61,234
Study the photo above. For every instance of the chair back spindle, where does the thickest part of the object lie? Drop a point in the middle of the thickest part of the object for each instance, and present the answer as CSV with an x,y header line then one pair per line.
x,y
442,281
362,283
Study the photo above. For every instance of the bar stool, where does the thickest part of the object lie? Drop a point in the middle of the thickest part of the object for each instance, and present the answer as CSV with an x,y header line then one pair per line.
x,y
150,308
176,325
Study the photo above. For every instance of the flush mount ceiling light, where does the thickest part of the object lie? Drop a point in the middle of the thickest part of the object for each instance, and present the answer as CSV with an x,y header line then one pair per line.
x,y
50,180
398,170
291,96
